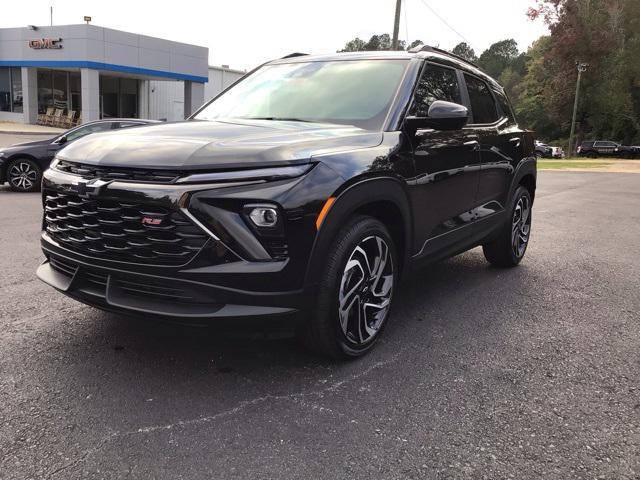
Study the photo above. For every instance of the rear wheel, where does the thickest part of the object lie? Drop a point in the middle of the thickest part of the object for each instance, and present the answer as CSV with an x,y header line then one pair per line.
x,y
355,292
24,175
508,249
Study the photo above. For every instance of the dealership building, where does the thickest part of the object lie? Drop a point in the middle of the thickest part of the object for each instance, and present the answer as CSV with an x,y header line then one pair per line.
x,y
103,73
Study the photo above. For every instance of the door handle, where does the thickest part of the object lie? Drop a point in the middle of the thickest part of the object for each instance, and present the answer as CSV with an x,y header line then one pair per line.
x,y
472,144
515,140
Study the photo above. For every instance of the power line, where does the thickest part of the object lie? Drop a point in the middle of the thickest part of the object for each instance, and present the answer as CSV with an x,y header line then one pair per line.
x,y
445,22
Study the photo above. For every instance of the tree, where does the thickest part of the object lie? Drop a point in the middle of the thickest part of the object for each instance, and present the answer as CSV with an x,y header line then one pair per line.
x,y
414,44
606,35
375,43
355,45
495,59
464,50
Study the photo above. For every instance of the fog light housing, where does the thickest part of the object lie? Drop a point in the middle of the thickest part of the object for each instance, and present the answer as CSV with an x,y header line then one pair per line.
x,y
264,216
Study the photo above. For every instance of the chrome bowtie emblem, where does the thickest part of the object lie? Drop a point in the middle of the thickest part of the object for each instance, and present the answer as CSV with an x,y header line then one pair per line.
x,y
88,188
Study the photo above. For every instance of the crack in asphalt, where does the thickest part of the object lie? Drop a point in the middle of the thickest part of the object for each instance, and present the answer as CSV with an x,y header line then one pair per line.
x,y
295,397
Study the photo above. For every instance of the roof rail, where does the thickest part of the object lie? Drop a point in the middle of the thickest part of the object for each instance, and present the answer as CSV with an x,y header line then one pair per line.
x,y
428,48
295,54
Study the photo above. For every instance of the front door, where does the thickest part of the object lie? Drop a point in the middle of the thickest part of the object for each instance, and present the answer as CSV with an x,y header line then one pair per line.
x,y
447,165
501,147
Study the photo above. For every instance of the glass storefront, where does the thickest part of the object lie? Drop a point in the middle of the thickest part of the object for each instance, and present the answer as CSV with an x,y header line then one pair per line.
x,y
118,97
11,89
59,89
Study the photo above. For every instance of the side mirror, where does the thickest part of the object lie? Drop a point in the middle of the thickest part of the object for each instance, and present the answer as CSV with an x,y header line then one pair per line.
x,y
62,140
441,116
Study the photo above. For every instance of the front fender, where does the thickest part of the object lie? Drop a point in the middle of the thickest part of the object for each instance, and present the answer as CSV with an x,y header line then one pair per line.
x,y
348,202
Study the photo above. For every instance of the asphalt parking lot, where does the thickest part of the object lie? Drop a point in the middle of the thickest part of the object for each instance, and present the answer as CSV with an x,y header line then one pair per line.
x,y
526,373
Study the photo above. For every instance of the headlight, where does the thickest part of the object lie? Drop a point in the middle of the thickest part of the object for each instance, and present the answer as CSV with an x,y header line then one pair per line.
x,y
54,163
276,173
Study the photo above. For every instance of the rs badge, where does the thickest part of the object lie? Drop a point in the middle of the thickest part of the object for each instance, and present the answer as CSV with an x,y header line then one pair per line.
x,y
151,221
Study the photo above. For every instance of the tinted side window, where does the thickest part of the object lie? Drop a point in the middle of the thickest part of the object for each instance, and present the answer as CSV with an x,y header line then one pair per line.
x,y
436,83
505,106
482,103
128,124
95,127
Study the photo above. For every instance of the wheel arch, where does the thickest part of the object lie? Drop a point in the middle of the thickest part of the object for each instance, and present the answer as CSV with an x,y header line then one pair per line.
x,y
383,198
526,176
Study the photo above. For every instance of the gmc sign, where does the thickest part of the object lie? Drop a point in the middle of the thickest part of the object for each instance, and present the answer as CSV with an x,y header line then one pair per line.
x,y
45,43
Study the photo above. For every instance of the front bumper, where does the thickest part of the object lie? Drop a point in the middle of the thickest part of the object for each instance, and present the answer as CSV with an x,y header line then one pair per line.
x,y
171,297
225,278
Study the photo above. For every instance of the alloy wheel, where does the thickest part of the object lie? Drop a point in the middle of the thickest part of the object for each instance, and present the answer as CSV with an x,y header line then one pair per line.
x,y
521,226
365,292
23,176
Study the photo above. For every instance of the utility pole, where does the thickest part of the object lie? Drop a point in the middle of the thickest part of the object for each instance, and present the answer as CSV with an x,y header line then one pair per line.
x,y
582,67
51,14
396,26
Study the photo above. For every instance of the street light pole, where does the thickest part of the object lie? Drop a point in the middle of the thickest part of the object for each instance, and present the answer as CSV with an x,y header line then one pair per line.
x,y
396,26
582,67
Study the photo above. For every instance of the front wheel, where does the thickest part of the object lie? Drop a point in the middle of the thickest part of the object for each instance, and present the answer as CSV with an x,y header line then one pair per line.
x,y
508,249
355,291
24,175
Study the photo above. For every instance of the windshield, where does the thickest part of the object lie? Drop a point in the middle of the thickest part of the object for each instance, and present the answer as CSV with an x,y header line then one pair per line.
x,y
353,92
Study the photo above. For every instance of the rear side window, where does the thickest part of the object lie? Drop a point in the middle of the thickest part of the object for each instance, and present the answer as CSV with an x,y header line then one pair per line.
x,y
482,104
436,83
504,105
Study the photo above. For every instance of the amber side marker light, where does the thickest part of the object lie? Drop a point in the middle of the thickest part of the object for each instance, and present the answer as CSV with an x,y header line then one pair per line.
x,y
323,213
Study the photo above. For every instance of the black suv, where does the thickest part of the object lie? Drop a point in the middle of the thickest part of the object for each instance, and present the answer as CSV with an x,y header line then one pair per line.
x,y
311,185
606,148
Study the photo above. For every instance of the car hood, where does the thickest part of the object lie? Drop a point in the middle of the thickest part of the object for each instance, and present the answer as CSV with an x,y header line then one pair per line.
x,y
213,145
20,146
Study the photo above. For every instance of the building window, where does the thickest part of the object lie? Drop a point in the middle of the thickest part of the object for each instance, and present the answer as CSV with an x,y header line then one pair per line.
x,y
16,89
59,89
118,97
10,89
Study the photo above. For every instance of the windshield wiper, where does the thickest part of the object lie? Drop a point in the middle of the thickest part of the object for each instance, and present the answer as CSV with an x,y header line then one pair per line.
x,y
279,119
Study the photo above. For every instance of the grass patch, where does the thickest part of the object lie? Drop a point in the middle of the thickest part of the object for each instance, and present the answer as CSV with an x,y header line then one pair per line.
x,y
561,164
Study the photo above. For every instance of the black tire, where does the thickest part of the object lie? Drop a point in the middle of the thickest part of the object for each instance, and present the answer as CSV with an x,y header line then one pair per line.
x,y
24,175
509,247
324,332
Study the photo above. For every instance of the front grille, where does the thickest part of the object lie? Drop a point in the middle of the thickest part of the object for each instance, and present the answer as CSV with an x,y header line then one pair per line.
x,y
116,173
154,289
67,269
115,230
95,282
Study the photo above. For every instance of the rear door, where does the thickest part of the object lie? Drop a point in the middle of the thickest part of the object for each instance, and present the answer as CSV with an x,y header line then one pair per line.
x,y
447,167
501,149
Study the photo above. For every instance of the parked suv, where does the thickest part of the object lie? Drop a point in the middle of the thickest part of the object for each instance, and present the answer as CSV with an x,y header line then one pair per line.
x,y
607,148
311,185
542,150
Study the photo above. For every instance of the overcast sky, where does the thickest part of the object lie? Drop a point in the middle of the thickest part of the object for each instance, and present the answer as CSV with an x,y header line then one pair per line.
x,y
244,33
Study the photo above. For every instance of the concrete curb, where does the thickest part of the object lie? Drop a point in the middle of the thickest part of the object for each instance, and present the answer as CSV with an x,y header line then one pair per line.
x,y
51,134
